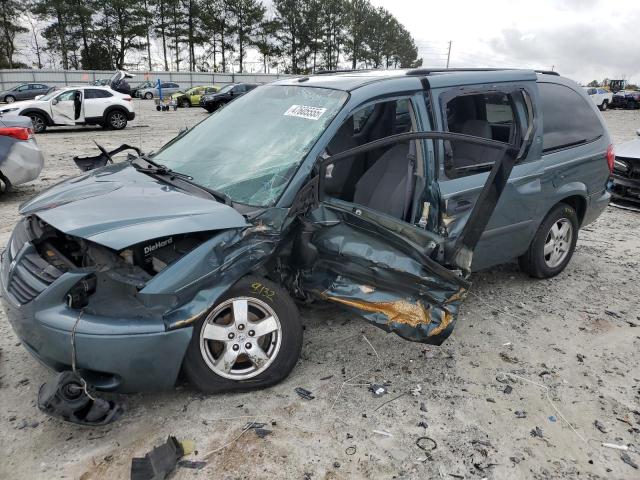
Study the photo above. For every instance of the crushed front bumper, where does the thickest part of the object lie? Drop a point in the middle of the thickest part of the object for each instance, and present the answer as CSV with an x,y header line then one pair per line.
x,y
23,162
115,354
625,186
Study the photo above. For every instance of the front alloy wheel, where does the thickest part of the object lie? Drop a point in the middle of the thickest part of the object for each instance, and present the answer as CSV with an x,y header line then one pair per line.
x,y
251,339
186,103
240,338
39,123
9,99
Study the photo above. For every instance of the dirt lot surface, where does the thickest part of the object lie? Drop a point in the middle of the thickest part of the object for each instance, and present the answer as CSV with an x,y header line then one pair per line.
x,y
558,357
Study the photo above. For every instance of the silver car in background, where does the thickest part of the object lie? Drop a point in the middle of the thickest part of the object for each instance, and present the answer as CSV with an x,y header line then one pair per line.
x,y
20,157
168,88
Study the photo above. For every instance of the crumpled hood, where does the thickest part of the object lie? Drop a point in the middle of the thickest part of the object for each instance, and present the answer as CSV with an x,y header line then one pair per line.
x,y
629,149
117,206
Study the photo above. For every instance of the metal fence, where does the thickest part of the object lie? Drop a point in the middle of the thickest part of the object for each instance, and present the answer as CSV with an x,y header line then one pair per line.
x,y
10,78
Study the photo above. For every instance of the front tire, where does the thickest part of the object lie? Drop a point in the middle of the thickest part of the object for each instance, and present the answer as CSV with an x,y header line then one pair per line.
x,y
9,99
186,104
39,122
148,95
116,120
605,105
251,339
553,244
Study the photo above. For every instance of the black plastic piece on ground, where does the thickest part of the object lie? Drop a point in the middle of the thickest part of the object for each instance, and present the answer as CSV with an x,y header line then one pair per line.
x,y
65,397
158,463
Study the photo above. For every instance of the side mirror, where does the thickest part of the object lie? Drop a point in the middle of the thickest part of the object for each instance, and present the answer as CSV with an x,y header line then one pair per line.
x,y
54,101
231,93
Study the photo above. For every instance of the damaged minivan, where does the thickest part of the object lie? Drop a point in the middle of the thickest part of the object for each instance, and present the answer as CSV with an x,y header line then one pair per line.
x,y
379,191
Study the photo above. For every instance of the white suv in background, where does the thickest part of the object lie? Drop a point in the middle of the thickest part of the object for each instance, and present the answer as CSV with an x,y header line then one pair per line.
x,y
601,97
84,105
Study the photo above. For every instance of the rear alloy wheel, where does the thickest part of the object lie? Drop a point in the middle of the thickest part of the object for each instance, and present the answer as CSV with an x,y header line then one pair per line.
x,y
553,245
251,339
39,122
9,99
186,103
148,95
116,120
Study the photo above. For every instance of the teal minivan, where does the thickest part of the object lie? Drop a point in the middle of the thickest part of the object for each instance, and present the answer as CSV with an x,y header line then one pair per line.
x,y
380,191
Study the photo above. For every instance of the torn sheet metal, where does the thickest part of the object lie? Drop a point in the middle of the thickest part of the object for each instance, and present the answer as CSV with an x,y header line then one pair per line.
x,y
386,279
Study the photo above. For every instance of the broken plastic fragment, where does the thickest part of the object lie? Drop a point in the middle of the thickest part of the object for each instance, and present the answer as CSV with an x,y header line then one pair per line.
x,y
66,396
158,463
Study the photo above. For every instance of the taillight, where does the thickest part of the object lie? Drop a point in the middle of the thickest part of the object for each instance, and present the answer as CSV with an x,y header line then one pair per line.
x,y
611,157
19,133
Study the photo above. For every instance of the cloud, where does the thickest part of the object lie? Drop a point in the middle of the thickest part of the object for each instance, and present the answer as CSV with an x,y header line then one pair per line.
x,y
583,51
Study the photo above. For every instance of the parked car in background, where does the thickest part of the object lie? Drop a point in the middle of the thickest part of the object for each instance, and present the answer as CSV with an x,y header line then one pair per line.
x,y
225,95
20,158
600,96
168,89
377,191
629,99
84,105
191,98
142,86
26,91
625,182
101,82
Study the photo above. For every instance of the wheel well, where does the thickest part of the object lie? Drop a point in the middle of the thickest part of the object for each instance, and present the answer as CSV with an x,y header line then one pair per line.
x,y
578,203
112,109
42,113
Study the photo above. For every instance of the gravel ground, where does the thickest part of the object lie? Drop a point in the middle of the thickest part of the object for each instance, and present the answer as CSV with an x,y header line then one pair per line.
x,y
562,354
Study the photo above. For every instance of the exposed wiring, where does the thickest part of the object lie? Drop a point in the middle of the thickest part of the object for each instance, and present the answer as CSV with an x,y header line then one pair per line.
x,y
73,356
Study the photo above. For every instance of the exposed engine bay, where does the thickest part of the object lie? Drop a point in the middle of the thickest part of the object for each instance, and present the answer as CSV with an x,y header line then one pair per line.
x,y
130,268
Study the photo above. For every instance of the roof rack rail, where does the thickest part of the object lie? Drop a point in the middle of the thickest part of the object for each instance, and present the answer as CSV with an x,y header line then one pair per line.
x,y
548,72
348,70
427,71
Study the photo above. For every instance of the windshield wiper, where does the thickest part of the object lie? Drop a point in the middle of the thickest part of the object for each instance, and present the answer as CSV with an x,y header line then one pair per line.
x,y
155,168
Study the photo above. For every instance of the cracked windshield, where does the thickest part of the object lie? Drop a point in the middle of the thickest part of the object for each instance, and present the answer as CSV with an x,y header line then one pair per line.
x,y
251,148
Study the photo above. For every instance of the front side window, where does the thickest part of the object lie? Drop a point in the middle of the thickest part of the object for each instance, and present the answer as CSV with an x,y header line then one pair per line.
x,y
67,96
23,88
567,118
487,115
380,179
250,149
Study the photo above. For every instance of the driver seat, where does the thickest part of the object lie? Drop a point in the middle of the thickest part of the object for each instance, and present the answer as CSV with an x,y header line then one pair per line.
x,y
384,186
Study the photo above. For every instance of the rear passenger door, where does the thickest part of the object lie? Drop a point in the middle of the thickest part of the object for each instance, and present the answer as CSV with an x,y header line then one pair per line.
x,y
96,102
491,112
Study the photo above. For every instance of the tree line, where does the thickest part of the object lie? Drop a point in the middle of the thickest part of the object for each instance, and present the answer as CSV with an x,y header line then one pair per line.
x,y
292,36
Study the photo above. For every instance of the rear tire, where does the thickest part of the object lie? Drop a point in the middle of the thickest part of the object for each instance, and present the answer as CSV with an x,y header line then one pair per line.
x,y
229,352
116,120
39,122
553,244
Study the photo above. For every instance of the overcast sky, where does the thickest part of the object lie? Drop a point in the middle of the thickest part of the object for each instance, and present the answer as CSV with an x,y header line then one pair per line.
x,y
581,39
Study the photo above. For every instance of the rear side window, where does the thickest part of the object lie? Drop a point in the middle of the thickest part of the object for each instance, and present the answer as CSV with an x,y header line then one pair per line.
x,y
567,118
487,115
95,93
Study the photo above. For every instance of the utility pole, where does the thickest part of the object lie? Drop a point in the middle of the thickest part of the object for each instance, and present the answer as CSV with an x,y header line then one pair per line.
x,y
449,54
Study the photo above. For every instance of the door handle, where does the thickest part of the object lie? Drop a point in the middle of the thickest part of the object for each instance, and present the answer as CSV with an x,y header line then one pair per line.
x,y
461,206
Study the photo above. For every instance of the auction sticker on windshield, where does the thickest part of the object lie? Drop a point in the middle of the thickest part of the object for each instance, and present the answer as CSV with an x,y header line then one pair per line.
x,y
304,111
